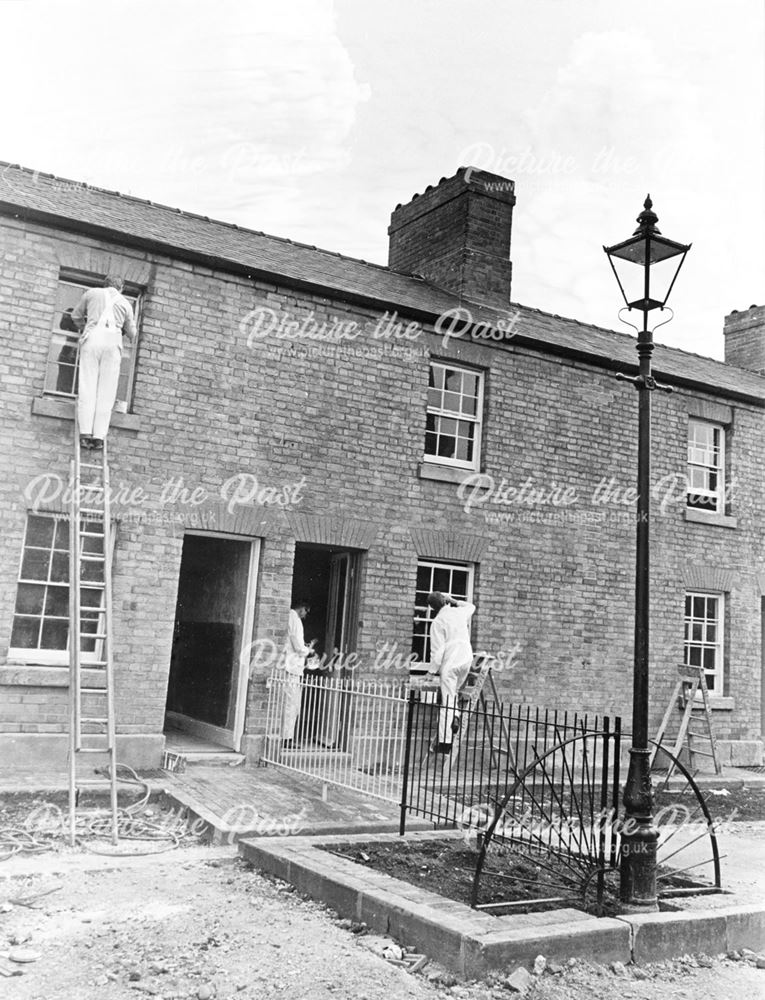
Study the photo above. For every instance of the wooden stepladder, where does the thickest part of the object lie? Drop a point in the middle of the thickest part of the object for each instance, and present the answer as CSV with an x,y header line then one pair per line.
x,y
690,680
91,728
473,693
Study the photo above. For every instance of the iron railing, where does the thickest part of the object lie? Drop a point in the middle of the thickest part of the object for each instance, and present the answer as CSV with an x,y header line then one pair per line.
x,y
348,732
495,743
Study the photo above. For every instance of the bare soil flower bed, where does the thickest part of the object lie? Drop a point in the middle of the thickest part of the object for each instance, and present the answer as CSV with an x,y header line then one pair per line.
x,y
447,867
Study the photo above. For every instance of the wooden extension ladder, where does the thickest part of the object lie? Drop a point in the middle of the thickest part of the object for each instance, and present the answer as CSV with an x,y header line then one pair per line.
x,y
690,681
90,627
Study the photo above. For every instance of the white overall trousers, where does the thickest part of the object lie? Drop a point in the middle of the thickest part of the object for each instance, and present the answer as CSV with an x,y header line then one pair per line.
x,y
100,361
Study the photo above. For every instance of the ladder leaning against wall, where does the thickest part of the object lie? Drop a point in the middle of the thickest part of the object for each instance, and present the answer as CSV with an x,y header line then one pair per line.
x,y
91,704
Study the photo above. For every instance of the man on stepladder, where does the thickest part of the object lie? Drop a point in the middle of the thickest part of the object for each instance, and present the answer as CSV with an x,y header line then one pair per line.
x,y
102,315
451,656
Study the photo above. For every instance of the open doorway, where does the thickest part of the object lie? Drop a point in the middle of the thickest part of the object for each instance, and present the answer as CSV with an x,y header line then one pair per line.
x,y
328,579
213,623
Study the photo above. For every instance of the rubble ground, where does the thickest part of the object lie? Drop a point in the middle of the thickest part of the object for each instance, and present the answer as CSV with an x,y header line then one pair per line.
x,y
199,923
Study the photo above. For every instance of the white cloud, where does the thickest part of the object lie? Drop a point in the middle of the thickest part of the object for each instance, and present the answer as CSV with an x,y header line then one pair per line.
x,y
221,108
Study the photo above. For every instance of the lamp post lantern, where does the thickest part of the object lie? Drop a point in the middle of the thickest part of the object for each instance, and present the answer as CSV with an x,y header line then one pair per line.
x,y
645,266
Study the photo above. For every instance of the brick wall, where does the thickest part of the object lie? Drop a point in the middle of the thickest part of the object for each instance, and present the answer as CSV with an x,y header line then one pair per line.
x,y
348,419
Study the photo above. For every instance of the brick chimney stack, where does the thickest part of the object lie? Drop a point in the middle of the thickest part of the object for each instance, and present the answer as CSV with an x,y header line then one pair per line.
x,y
457,235
745,339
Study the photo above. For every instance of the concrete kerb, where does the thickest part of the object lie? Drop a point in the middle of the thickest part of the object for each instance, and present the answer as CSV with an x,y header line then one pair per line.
x,y
473,943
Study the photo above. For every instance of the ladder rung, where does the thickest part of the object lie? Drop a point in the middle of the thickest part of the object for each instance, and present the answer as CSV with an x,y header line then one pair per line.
x,y
93,749
91,782
95,557
85,719
92,690
91,534
91,487
92,609
92,635
702,753
92,510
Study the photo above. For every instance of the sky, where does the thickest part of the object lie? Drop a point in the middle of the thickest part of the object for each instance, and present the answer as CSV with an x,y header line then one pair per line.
x,y
313,119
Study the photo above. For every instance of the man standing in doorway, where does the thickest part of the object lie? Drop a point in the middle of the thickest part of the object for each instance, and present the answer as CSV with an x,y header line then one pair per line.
x,y
451,656
295,653
102,315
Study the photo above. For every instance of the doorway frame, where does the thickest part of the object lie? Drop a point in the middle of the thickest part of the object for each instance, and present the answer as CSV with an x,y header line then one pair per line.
x,y
229,739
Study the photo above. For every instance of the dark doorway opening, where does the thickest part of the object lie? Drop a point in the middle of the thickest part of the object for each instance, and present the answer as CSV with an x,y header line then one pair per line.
x,y
210,620
328,578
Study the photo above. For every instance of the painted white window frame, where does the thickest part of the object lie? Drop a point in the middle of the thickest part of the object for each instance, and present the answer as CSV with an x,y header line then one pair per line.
x,y
718,673
35,656
696,456
441,414
61,339
427,616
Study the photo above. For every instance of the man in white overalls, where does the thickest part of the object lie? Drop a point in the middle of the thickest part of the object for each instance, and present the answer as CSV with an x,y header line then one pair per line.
x,y
451,656
295,653
102,315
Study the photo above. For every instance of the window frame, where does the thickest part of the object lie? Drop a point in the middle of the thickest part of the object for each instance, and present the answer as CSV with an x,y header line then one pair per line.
x,y
718,496
83,281
474,464
52,657
718,673
427,618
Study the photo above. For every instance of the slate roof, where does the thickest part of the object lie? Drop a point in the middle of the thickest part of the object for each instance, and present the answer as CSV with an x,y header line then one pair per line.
x,y
73,205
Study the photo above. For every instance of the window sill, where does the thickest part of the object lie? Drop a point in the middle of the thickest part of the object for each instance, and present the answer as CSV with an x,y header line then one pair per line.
x,y
710,517
63,409
444,473
44,675
719,704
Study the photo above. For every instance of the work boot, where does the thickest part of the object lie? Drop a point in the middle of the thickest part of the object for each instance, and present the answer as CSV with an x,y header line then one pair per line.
x,y
86,441
97,444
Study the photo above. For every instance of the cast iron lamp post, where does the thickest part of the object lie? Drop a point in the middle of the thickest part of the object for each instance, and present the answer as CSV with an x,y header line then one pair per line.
x,y
645,266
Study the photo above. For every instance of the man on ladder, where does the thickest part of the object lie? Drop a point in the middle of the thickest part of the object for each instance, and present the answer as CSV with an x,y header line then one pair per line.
x,y
102,315
451,656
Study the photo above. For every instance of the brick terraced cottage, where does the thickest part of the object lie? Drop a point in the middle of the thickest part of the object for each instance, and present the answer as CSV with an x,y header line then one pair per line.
x,y
293,421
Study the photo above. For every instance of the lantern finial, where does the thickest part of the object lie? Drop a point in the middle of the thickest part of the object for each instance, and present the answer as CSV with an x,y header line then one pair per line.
x,y
647,220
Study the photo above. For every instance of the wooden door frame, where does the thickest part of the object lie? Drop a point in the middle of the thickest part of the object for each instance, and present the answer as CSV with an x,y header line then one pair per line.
x,y
230,738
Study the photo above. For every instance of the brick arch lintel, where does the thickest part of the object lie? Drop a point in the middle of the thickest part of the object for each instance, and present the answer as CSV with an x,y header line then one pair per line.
x,y
433,544
327,529
709,578
93,260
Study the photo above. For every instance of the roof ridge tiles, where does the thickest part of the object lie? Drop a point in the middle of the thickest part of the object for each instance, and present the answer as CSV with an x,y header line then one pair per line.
x,y
191,215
